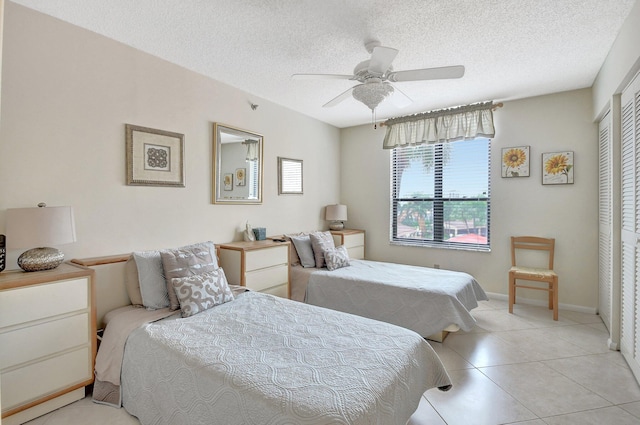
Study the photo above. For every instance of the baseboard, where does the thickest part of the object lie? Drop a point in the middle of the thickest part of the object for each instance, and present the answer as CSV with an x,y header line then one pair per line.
x,y
542,303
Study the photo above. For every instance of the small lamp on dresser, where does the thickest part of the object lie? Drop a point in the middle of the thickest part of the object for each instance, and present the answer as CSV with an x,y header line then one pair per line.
x,y
40,227
337,215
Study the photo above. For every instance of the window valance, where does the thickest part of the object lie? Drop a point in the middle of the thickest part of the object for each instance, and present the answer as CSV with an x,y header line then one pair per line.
x,y
445,125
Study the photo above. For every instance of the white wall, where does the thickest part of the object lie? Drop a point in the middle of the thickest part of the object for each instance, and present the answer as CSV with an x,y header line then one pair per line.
x,y
519,206
66,96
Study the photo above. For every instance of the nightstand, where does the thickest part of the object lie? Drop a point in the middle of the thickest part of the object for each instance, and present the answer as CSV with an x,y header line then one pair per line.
x,y
352,239
260,266
47,340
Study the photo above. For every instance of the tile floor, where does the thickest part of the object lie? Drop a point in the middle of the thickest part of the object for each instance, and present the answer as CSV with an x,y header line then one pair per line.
x,y
520,369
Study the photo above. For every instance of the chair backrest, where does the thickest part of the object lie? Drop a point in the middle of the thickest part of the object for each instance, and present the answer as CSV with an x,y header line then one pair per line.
x,y
532,243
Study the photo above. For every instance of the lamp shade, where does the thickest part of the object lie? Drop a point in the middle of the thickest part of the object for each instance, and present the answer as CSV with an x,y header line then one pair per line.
x,y
40,227
336,212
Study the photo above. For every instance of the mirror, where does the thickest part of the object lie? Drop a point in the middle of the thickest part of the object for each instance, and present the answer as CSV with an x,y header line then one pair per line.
x,y
237,166
289,176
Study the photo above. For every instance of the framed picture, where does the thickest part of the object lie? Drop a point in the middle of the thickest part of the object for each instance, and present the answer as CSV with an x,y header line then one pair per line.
x,y
154,157
241,176
515,162
557,167
289,176
228,181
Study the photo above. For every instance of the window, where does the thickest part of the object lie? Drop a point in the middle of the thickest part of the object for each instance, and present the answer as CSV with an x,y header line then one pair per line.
x,y
440,195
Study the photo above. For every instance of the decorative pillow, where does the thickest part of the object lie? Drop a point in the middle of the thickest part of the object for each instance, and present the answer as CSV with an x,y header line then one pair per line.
x,y
187,261
336,257
153,286
294,260
305,252
131,281
321,241
202,291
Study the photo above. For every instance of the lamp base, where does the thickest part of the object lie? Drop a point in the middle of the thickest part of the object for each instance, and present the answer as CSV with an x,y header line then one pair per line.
x,y
336,225
38,259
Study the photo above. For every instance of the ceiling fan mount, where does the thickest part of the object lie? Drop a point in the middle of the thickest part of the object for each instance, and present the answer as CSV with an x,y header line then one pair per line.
x,y
376,75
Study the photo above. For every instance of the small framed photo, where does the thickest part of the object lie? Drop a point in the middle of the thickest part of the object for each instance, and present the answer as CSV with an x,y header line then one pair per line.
x,y
515,162
557,167
241,176
228,181
154,157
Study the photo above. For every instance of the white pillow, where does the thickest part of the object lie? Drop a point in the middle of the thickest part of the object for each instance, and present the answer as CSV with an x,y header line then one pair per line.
x,y
201,292
336,257
321,241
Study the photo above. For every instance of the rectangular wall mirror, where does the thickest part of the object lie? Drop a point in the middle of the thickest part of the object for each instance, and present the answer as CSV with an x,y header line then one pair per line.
x,y
237,166
289,176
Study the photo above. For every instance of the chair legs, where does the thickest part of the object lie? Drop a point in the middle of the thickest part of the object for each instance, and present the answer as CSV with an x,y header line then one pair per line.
x,y
553,294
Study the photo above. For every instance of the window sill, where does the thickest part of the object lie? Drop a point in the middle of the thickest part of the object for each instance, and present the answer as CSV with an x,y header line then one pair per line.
x,y
454,247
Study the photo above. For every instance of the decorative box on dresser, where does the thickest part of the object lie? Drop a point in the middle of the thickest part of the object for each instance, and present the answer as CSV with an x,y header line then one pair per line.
x,y
352,239
47,340
260,266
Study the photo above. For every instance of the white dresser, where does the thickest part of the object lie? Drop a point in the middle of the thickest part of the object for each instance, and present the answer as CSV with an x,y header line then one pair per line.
x,y
47,340
352,239
260,266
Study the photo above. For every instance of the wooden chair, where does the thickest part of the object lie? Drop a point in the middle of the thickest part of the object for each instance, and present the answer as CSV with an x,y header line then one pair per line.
x,y
543,275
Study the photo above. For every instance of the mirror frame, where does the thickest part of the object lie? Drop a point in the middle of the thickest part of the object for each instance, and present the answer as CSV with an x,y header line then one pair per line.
x,y
217,178
285,173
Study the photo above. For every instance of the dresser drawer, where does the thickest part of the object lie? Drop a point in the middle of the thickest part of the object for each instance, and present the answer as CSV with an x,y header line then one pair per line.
x,y
261,258
353,240
260,280
44,339
29,383
279,291
41,301
356,253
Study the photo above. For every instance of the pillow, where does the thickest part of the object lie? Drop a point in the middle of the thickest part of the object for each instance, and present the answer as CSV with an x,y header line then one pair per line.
x,y
336,257
305,252
131,281
320,241
187,261
153,286
201,292
294,260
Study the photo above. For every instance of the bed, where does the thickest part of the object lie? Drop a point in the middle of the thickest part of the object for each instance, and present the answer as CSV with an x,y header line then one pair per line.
x,y
258,359
428,301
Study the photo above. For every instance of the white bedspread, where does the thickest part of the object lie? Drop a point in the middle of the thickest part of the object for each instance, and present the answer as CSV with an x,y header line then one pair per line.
x,y
262,360
422,299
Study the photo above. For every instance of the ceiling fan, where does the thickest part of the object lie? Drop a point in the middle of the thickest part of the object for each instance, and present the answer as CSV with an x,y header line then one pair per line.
x,y
376,75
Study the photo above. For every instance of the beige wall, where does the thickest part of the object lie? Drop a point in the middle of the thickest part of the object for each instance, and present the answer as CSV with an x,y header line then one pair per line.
x,y
66,96
569,213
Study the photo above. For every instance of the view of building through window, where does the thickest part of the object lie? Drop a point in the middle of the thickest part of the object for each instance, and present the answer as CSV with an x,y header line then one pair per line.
x,y
440,194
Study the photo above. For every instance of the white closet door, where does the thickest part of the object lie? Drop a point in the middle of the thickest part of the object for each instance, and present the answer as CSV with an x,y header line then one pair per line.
x,y
630,225
605,237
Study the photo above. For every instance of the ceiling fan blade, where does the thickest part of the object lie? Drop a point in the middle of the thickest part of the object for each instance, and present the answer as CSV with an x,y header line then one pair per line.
x,y
428,74
399,98
321,77
381,59
339,98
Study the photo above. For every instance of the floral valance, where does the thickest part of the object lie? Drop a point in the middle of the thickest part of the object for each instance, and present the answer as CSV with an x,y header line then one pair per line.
x,y
445,125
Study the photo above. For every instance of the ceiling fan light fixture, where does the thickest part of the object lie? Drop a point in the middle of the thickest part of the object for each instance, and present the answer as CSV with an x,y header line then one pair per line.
x,y
372,93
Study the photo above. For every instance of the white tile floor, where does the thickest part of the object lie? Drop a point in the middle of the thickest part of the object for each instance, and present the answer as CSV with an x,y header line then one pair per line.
x,y
520,369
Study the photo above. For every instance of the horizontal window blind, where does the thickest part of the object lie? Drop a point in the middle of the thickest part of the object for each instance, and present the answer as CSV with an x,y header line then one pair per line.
x,y
440,195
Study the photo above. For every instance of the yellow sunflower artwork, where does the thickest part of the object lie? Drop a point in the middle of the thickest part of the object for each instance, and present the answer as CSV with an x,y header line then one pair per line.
x,y
515,162
557,168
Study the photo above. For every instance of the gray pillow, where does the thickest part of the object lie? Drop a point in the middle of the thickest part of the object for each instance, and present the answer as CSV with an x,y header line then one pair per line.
x,y
321,241
336,257
132,282
304,250
187,261
153,286
202,291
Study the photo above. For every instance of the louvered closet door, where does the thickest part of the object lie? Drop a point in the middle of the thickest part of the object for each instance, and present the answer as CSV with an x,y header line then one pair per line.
x,y
630,225
605,240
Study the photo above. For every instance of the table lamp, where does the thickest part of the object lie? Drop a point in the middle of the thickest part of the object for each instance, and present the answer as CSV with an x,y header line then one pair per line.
x,y
40,227
336,214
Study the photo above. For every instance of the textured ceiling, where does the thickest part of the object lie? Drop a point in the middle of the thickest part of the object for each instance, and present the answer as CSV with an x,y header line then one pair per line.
x,y
511,48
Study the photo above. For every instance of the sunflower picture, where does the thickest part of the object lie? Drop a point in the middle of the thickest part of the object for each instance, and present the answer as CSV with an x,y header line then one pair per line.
x,y
515,161
557,168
